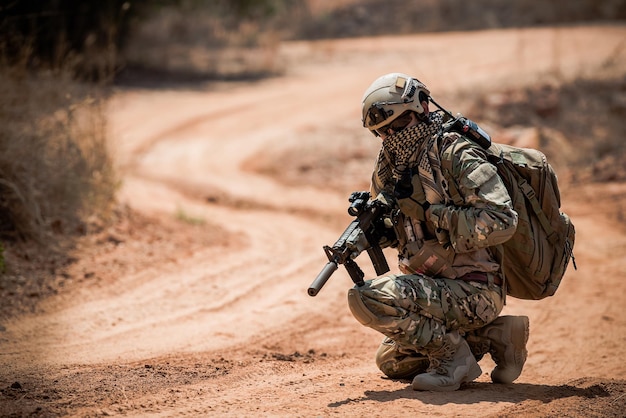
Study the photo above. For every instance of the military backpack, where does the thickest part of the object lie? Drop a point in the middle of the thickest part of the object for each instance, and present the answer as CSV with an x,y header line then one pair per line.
x,y
534,260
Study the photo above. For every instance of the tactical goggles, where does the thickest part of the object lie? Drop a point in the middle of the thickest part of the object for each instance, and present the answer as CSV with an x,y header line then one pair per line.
x,y
401,121
397,124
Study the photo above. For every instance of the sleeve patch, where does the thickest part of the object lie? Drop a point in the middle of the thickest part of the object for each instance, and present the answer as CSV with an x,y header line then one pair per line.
x,y
480,175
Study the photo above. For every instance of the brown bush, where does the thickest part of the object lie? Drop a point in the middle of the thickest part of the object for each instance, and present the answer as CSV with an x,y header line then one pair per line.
x,y
55,167
579,124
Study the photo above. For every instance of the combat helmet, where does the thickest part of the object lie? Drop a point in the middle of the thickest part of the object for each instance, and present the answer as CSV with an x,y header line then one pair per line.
x,y
389,96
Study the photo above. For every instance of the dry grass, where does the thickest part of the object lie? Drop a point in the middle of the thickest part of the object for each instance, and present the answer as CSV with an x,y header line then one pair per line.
x,y
55,166
579,125
57,176
57,179
201,41
351,18
194,41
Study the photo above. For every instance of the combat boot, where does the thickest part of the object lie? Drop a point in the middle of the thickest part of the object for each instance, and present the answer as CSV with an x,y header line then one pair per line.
x,y
505,339
450,365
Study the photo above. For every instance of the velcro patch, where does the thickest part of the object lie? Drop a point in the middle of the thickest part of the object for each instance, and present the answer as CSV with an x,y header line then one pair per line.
x,y
480,175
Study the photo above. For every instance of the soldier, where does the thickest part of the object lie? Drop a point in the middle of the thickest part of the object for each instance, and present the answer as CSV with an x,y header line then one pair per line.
x,y
442,314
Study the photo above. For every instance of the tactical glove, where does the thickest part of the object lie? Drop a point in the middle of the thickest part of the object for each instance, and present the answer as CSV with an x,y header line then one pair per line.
x,y
386,199
410,196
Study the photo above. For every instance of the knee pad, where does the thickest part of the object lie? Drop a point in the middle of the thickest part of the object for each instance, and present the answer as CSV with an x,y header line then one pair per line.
x,y
358,308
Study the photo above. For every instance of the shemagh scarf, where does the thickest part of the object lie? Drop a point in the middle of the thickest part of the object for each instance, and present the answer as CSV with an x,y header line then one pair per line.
x,y
415,147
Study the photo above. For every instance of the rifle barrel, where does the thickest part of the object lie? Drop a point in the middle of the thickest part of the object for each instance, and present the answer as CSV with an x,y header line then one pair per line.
x,y
322,278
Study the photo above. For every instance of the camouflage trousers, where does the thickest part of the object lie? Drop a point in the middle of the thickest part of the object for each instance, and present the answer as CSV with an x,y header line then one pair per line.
x,y
415,311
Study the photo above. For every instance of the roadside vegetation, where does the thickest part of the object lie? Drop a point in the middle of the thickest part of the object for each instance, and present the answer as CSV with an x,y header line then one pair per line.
x,y
60,58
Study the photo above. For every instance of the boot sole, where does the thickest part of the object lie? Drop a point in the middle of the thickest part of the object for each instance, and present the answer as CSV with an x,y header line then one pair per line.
x,y
474,372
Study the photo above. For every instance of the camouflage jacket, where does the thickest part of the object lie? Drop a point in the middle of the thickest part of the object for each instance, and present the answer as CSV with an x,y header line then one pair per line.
x,y
455,240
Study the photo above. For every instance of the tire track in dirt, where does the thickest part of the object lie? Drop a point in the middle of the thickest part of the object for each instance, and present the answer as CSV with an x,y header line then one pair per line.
x,y
209,306
247,301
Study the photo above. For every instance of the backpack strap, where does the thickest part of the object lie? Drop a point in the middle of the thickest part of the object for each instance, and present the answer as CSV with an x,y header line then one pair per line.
x,y
531,197
447,163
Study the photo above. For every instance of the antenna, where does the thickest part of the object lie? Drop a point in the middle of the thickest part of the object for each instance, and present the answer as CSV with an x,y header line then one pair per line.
x,y
441,108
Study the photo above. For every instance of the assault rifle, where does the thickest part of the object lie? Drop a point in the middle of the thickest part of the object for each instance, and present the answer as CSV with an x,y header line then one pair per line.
x,y
372,223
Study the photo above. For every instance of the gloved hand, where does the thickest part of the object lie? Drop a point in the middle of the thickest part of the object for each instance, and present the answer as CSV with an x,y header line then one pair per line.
x,y
386,200
410,196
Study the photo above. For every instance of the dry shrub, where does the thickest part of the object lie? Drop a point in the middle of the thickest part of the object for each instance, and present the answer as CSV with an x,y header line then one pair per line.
x,y
579,124
351,18
191,41
55,166
187,41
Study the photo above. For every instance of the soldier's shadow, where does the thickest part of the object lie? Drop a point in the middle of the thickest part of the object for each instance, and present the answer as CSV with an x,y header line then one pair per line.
x,y
482,391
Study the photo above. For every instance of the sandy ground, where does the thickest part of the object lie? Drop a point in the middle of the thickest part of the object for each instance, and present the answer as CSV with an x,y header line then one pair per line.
x,y
212,317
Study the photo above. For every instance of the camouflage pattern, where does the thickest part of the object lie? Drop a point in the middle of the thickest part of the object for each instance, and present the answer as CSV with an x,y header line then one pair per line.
x,y
400,363
485,220
414,311
487,217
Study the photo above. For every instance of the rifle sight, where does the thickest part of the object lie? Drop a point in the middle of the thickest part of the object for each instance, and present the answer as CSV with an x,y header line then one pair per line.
x,y
358,201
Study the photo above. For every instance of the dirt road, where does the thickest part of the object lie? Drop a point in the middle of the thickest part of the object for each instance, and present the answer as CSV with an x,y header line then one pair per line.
x,y
220,324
